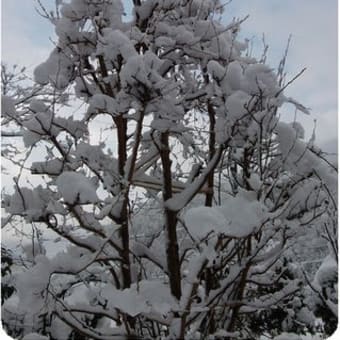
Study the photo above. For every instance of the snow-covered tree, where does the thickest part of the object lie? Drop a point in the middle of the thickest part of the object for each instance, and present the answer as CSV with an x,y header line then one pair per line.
x,y
178,220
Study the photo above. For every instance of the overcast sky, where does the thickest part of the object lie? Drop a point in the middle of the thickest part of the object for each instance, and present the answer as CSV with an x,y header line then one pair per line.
x,y
313,25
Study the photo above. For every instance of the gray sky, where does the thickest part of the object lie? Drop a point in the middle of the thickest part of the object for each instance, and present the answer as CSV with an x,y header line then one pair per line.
x,y
312,23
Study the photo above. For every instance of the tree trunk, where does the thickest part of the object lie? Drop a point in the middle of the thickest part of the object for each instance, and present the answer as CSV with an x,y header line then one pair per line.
x,y
212,140
123,218
209,202
170,221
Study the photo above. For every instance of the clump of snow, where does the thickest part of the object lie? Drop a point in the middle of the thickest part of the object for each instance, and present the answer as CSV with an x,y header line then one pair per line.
x,y
157,295
102,103
145,9
183,35
67,29
234,75
92,154
308,188
52,167
40,124
56,70
56,207
37,105
144,297
27,202
8,106
127,301
327,272
95,158
299,159
35,336
288,336
30,138
300,131
60,330
115,43
236,105
201,221
229,78
163,41
221,334
76,188
244,214
30,285
255,181
135,72
238,217
33,249
216,70
75,128
259,77
108,12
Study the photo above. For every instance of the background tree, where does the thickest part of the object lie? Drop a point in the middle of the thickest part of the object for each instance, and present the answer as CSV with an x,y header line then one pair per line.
x,y
179,219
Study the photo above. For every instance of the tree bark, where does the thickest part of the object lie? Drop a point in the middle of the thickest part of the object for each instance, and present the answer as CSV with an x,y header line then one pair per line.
x,y
121,125
123,218
170,221
212,140
209,202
